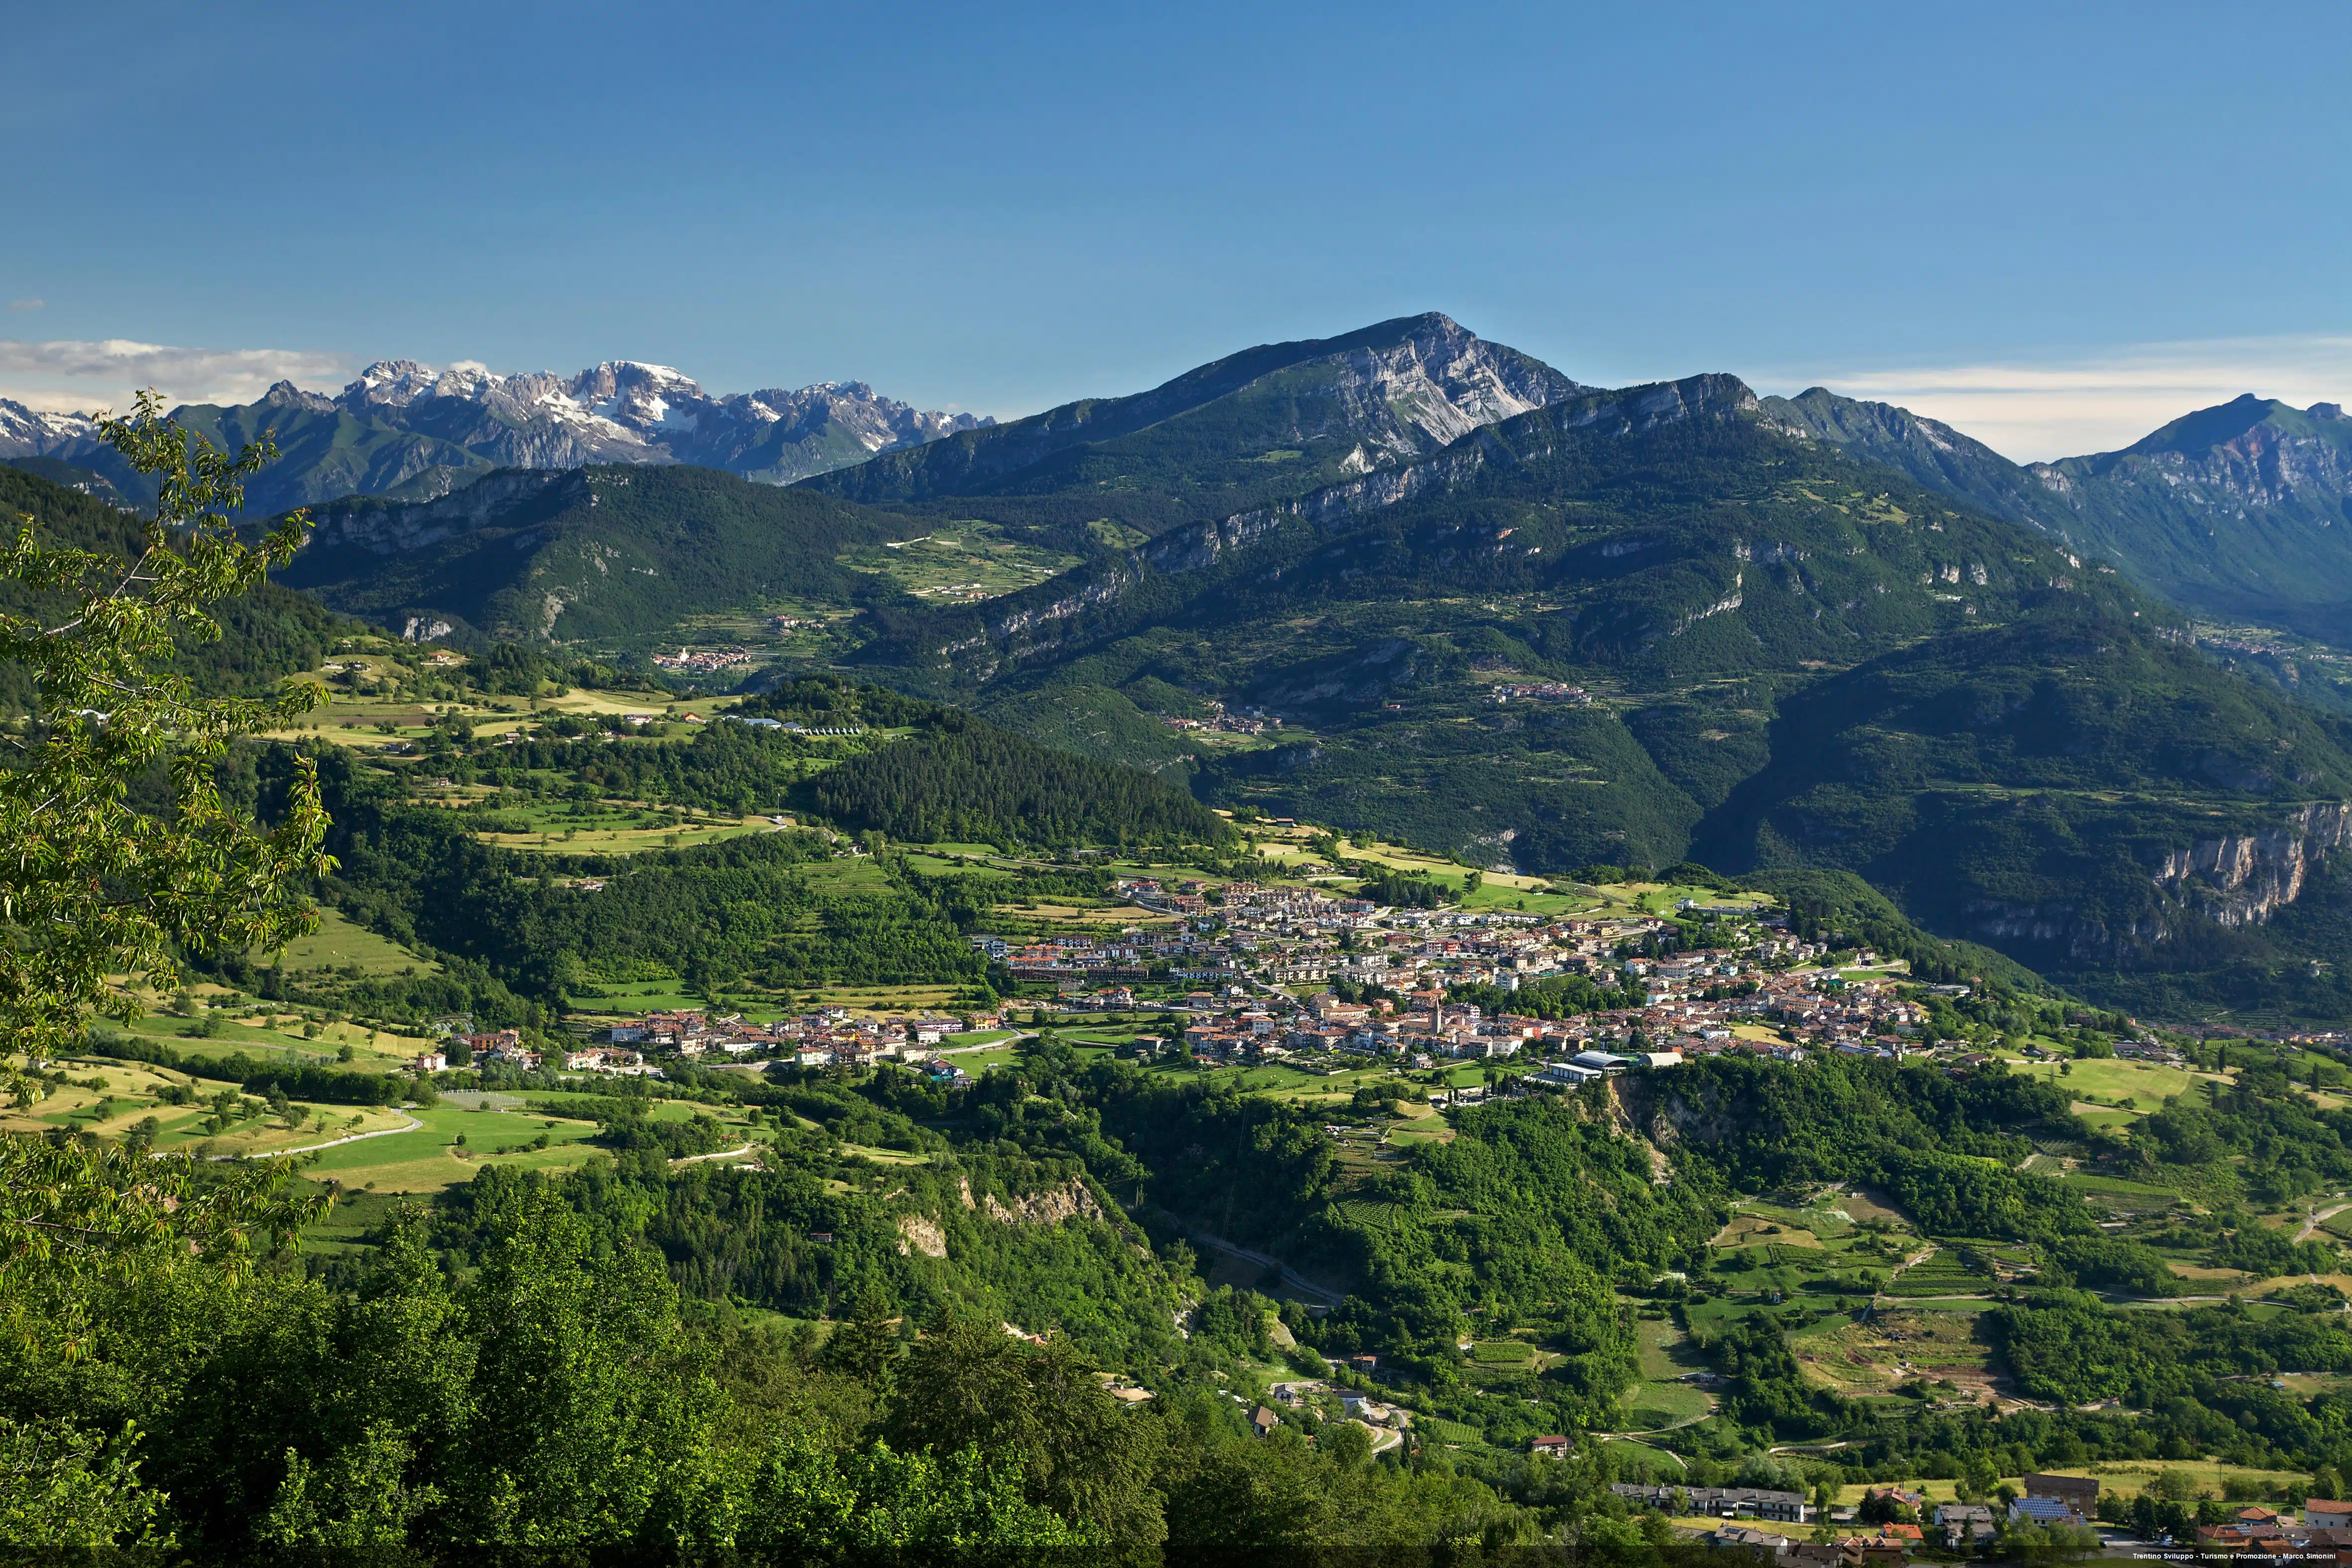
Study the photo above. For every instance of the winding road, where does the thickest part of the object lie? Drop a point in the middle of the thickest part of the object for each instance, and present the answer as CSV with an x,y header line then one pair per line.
x,y
717,1154
1290,1276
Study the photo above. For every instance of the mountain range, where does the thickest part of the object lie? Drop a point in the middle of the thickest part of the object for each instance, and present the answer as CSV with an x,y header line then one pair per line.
x,y
411,432
1469,603
2242,511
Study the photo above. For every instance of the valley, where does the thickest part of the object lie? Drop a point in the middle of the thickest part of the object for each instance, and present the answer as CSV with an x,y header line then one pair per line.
x,y
1618,949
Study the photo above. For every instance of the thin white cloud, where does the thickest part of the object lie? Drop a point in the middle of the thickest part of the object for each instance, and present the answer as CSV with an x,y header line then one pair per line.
x,y
75,376
2032,412
27,304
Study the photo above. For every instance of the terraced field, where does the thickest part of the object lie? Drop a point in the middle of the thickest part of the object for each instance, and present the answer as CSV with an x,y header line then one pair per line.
x,y
1894,1348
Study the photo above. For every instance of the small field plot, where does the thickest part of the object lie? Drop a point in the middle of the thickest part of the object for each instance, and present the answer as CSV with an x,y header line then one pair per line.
x,y
1666,1351
1894,1347
1657,1407
1749,1228
2115,1191
958,562
430,1157
1941,1274
344,945
612,831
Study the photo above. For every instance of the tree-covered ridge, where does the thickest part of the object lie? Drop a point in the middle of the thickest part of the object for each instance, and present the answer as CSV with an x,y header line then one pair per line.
x,y
823,701
557,1394
971,781
266,634
1946,1147
1840,907
2024,786
611,553
743,907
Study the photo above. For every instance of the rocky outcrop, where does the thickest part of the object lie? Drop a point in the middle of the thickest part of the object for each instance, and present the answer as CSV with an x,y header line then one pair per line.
x,y
920,1233
1072,1200
2233,879
2239,880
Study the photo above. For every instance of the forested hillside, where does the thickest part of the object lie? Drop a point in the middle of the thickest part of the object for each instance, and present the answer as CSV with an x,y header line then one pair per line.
x,y
2234,511
601,555
266,635
2021,787
972,782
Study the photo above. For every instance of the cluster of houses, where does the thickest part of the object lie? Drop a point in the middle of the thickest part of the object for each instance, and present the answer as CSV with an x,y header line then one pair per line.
x,y
1248,721
2257,1534
1556,691
824,1036
1247,958
1952,1526
1256,944
1247,955
704,658
2253,1535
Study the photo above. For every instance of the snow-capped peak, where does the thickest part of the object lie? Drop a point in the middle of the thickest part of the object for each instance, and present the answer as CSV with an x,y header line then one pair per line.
x,y
30,430
390,384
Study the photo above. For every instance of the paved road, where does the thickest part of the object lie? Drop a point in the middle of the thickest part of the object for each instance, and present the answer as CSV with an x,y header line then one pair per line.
x,y
1290,1276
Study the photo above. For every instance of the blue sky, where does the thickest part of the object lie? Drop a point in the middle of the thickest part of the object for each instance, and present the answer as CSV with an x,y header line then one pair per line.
x,y
2055,224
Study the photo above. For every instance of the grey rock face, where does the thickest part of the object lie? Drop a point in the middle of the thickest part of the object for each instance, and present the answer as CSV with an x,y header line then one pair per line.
x,y
2244,878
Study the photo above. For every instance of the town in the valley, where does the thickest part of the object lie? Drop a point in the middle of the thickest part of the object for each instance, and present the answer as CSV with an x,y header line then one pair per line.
x,y
1238,973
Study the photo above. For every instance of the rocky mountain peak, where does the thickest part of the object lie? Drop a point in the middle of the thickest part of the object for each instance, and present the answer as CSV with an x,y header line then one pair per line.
x,y
389,384
286,395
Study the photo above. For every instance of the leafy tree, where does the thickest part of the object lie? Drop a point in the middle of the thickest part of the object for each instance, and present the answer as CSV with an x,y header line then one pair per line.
x,y
69,1494
98,885
969,1383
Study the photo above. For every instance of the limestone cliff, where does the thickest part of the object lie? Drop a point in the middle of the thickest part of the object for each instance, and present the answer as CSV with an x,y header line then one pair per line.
x,y
2239,880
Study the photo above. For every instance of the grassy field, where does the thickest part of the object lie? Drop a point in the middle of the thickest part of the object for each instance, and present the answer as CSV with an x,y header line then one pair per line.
x,y
1661,1399
1665,1351
1748,1229
1895,1347
341,945
109,1097
617,830
430,1158
959,562
2091,1184
2107,1082
2129,1478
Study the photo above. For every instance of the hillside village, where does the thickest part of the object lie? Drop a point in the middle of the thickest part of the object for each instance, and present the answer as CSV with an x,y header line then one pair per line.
x,y
1274,973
